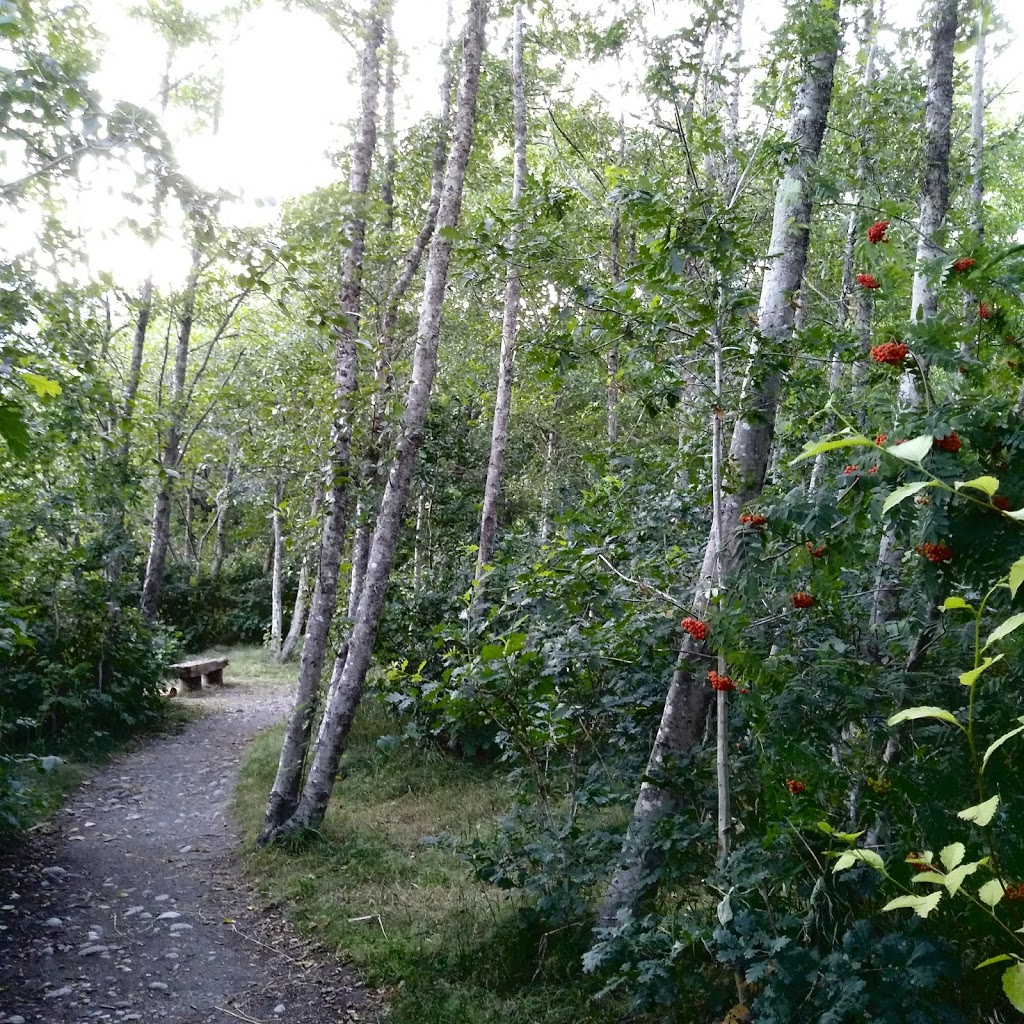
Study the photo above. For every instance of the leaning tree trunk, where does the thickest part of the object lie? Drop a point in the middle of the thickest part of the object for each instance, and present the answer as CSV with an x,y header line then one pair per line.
x,y
688,698
344,697
160,533
509,330
924,302
284,794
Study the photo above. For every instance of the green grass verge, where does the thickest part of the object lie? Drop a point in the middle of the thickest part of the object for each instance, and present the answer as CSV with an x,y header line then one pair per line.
x,y
252,665
409,914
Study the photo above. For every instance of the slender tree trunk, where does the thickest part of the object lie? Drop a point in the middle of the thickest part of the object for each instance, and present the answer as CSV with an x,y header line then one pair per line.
x,y
302,594
509,330
220,547
345,695
978,134
846,287
550,483
688,698
160,535
276,609
287,784
924,301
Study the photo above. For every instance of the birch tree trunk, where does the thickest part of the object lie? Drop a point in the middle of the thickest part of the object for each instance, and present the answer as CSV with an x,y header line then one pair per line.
x,y
160,531
285,792
688,698
276,610
924,302
344,697
509,331
302,594
220,546
978,133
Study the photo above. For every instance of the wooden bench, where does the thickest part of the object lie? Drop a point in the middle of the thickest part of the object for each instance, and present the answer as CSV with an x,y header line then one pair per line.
x,y
202,670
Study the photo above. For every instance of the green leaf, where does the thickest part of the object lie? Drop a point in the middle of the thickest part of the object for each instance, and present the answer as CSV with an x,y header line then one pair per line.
x,y
42,386
921,905
971,677
991,892
923,712
811,449
994,960
996,744
1013,986
956,877
514,643
980,814
847,860
932,877
1005,628
870,858
953,603
492,652
905,492
987,484
914,450
1016,575
13,430
952,855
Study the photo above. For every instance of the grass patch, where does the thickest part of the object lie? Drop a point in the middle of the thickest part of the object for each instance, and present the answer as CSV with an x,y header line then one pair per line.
x,y
411,915
252,665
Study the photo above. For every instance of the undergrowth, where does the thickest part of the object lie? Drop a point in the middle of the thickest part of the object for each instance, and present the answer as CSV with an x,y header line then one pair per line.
x,y
377,886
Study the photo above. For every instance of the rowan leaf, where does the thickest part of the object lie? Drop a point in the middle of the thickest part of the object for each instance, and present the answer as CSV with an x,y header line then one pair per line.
x,y
981,814
924,711
996,744
1005,628
905,492
920,905
986,484
914,450
971,677
812,449
991,892
952,855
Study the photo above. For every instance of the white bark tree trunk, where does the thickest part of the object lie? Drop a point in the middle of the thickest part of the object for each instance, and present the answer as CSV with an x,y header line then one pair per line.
x,y
688,697
285,792
924,302
160,531
302,594
344,697
509,331
277,572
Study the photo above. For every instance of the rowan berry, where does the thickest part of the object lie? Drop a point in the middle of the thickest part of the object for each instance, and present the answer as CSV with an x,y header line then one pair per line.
x,y
720,682
876,233
868,281
880,439
851,468
935,552
1001,502
891,352
962,265
984,311
1014,892
949,443
755,522
802,599
795,786
697,629
815,552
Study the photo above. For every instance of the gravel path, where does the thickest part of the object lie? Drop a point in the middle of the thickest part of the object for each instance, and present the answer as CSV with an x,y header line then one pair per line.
x,y
130,906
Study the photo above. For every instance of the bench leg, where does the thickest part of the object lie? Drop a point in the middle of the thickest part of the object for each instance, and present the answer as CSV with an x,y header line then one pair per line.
x,y
192,682
216,677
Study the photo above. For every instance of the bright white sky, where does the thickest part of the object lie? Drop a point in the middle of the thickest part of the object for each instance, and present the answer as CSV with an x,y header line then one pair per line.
x,y
288,98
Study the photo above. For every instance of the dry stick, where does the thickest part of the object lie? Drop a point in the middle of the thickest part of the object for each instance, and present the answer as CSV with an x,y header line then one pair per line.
x,y
509,335
345,697
285,792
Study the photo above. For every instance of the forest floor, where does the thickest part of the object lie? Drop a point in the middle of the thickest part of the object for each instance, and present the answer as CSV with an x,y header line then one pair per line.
x,y
131,903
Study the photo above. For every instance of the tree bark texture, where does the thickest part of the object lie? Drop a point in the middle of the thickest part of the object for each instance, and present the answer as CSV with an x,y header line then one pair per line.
x,y
509,331
160,531
285,792
277,572
344,698
302,594
688,698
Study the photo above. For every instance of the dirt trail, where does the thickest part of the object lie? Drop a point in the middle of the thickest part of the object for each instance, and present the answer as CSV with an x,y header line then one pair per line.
x,y
129,905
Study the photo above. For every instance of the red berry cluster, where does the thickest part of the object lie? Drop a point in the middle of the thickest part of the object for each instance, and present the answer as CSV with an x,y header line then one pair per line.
x,y
756,522
1001,502
795,786
1014,892
876,233
815,552
851,468
802,599
720,682
880,439
697,629
868,281
949,443
935,552
891,352
984,311
962,265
